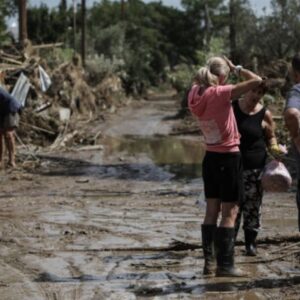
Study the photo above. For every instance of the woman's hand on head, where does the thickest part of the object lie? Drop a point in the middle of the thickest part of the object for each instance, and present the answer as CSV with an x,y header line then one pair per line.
x,y
229,63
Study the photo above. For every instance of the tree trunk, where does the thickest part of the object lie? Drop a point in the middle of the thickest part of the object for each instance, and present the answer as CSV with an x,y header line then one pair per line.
x,y
22,22
208,26
232,30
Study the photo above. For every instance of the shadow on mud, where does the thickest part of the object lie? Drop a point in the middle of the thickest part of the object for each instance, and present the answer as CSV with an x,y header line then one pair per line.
x,y
268,283
62,166
182,287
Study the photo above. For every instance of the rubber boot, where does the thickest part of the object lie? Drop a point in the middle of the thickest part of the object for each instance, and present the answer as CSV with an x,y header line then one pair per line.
x,y
298,202
208,238
225,239
237,224
250,242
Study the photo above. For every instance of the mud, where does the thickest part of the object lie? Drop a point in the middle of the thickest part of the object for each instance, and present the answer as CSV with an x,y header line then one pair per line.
x,y
124,222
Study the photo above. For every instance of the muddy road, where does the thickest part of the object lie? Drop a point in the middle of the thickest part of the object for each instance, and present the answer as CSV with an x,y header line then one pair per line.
x,y
123,222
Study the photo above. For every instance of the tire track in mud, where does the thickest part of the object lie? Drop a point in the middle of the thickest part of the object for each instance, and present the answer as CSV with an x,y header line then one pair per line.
x,y
16,281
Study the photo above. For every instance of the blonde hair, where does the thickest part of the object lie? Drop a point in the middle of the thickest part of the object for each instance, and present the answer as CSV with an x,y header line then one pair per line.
x,y
211,73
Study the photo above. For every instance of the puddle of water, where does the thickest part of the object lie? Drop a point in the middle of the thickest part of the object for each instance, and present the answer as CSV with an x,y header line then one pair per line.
x,y
159,158
180,156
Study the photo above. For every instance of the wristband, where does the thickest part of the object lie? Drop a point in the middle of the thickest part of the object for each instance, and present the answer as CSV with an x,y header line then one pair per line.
x,y
237,70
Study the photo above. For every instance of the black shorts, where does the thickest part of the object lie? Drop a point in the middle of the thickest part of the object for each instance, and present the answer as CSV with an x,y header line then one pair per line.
x,y
223,176
9,121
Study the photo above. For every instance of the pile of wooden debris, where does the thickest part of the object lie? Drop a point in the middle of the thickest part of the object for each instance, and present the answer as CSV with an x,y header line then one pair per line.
x,y
55,99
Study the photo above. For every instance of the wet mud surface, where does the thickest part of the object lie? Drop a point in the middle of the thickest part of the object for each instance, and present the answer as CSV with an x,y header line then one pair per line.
x,y
124,222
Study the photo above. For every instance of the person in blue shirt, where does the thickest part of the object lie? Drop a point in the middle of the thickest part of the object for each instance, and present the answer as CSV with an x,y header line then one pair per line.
x,y
10,109
292,119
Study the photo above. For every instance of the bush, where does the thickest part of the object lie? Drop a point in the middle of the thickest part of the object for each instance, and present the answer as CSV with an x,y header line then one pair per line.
x,y
181,77
100,67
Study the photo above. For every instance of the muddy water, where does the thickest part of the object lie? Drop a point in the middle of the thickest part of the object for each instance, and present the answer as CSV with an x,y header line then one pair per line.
x,y
124,222
179,156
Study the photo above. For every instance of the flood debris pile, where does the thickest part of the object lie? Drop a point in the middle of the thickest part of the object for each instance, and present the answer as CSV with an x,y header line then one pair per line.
x,y
57,100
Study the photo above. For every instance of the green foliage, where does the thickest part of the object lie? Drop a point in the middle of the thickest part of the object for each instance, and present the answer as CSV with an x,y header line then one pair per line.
x,y
181,77
148,43
108,41
100,67
279,32
49,25
215,48
57,56
140,39
7,8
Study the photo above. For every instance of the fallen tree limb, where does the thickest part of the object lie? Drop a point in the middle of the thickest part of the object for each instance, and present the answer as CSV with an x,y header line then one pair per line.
x,y
90,147
38,128
285,248
13,61
52,45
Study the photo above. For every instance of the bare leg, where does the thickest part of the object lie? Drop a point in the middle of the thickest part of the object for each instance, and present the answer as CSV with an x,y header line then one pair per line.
x,y
11,147
213,207
229,214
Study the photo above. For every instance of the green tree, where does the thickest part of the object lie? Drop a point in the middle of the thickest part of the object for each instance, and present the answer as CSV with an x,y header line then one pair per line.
x,y
203,16
7,8
279,32
242,28
47,25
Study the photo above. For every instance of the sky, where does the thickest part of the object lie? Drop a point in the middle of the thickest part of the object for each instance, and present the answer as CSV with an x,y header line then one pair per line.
x,y
256,4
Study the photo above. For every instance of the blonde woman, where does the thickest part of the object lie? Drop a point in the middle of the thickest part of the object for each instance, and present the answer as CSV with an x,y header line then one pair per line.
x,y
210,101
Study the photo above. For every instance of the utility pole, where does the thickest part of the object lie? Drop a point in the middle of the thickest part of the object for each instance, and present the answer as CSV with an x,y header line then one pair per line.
x,y
74,24
83,21
232,30
22,22
122,9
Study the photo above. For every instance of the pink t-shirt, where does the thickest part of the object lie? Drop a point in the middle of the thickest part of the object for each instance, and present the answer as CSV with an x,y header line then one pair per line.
x,y
216,118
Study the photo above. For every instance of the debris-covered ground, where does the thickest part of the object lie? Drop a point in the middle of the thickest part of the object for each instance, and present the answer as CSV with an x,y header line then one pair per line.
x,y
57,96
119,217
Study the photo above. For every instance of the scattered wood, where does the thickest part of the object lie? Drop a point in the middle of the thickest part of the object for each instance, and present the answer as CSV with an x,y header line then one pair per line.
x,y
97,135
8,67
9,55
268,260
12,61
52,45
90,148
38,128
63,139
43,107
82,180
285,248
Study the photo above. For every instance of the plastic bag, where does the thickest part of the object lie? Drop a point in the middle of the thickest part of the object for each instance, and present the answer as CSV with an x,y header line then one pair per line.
x,y
45,80
21,89
276,177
